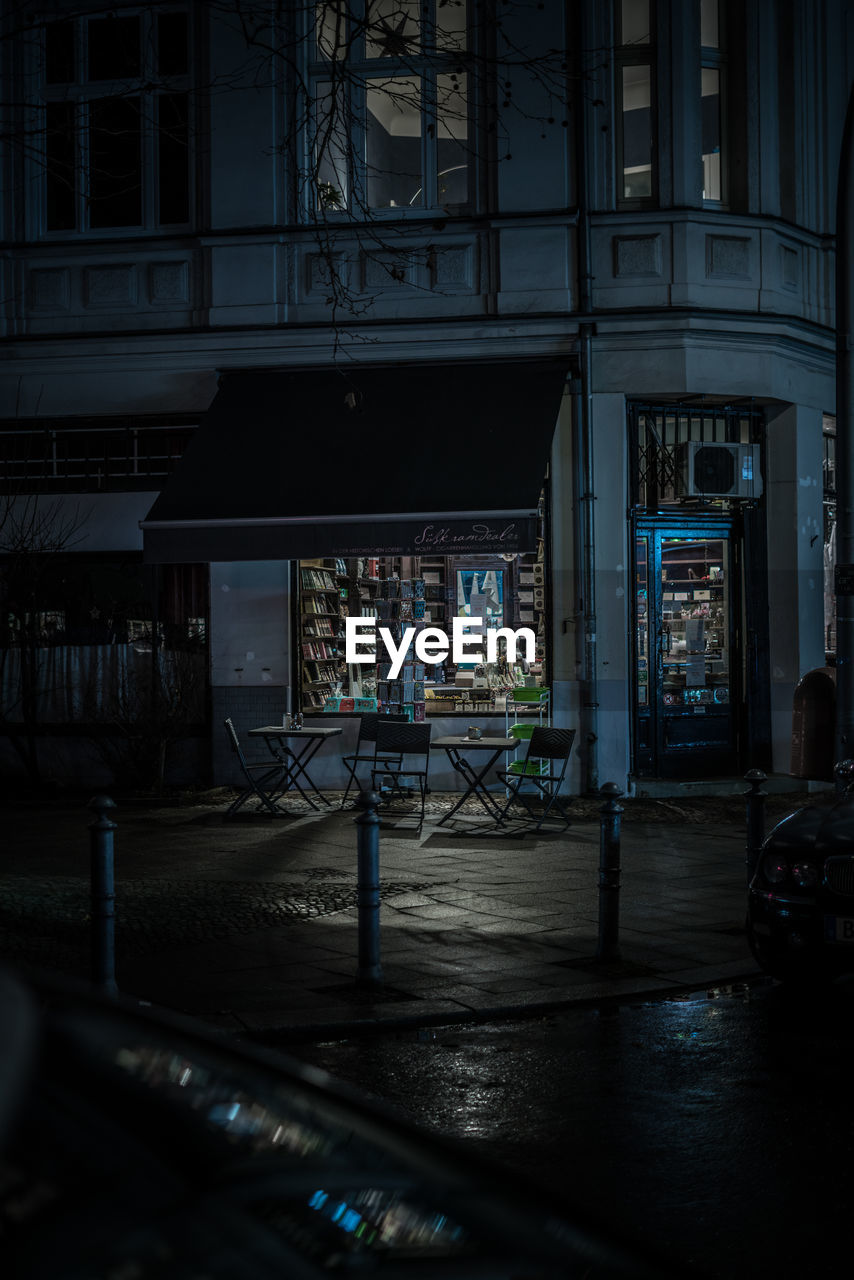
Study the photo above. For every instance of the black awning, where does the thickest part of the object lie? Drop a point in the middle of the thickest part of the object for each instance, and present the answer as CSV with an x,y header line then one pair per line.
x,y
327,462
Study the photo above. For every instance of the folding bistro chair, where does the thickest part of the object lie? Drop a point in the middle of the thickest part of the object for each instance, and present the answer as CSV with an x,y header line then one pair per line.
x,y
396,742
262,780
546,748
366,746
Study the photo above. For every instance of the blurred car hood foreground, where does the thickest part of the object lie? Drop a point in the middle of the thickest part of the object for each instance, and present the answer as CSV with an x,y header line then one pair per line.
x,y
135,1145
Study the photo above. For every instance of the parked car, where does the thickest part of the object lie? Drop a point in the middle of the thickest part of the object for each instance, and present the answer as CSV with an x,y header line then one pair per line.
x,y
138,1146
800,917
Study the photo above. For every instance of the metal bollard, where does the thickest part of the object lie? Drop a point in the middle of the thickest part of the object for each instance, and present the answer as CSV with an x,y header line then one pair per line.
x,y
755,804
102,896
609,873
369,972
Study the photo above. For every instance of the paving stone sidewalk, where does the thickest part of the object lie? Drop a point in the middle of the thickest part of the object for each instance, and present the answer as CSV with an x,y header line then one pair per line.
x,y
253,924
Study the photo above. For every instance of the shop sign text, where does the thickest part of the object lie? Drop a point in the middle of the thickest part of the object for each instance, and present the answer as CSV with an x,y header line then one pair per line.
x,y
432,644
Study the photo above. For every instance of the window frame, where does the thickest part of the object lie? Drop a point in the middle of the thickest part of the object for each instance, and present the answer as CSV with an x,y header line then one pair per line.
x,y
80,93
429,65
639,54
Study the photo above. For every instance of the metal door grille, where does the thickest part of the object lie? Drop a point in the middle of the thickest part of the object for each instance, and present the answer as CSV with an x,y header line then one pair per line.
x,y
655,432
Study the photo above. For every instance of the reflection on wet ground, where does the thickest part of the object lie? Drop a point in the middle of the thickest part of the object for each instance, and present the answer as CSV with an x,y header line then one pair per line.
x,y
693,1121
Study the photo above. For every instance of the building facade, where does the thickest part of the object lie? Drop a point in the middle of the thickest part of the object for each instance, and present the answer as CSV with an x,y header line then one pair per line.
x,y
586,249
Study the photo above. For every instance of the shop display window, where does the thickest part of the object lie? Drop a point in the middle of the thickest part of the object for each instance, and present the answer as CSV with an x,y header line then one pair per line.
x,y
418,592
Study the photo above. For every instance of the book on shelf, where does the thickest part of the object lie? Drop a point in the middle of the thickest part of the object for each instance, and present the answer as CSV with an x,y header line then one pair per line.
x,y
319,626
318,649
320,604
317,580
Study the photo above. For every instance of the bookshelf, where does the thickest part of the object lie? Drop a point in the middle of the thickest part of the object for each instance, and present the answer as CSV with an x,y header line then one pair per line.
x,y
321,632
388,588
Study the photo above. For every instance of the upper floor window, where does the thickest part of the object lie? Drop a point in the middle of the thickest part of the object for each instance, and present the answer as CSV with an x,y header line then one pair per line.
x,y
711,94
115,103
391,105
635,73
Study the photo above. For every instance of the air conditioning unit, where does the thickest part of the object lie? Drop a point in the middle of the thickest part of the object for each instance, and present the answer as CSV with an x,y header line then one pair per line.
x,y
717,470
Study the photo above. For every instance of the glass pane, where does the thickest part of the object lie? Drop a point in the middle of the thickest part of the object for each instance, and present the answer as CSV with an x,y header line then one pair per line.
x,y
480,594
451,25
711,79
59,53
637,132
695,621
709,28
393,142
330,26
393,28
452,135
115,181
172,44
59,158
331,148
174,177
642,616
634,22
114,48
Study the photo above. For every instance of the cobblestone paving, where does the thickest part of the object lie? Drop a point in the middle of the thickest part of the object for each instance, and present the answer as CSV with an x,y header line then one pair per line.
x,y
46,921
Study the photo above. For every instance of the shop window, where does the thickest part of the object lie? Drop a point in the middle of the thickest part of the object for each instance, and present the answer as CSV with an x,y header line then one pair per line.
x,y
80,637
116,122
391,106
635,83
420,592
70,599
712,74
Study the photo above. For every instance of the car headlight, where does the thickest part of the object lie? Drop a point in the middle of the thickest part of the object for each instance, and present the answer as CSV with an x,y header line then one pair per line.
x,y
805,875
775,869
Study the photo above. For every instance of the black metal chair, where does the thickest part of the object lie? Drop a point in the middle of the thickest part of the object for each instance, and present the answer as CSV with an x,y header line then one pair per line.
x,y
396,744
545,744
264,780
367,738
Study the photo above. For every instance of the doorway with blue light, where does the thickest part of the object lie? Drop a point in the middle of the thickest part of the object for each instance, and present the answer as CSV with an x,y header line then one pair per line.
x,y
698,573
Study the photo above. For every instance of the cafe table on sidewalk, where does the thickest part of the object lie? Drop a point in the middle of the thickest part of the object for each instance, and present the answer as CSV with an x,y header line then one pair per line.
x,y
296,758
457,747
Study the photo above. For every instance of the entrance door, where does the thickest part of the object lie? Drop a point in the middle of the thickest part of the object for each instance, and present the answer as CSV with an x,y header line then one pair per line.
x,y
685,705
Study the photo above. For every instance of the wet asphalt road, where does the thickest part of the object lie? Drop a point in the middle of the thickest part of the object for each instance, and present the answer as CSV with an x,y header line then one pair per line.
x,y
720,1125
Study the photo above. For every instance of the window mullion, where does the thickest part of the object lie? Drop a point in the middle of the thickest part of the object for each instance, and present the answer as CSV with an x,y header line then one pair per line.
x,y
83,115
429,137
355,97
149,119
149,173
